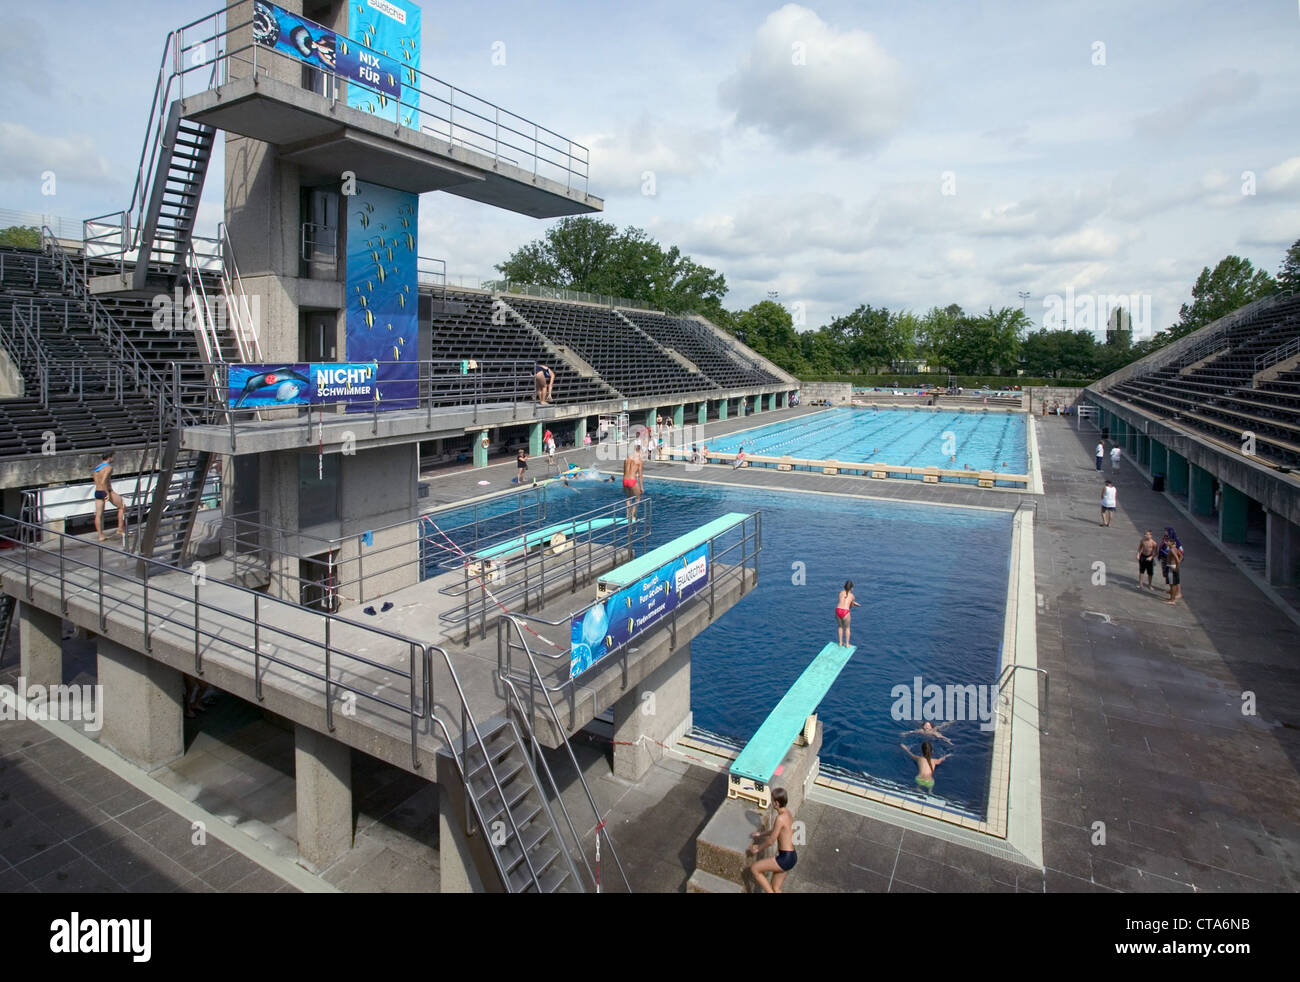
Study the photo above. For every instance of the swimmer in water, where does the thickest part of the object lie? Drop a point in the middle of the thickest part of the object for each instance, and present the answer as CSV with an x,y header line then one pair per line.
x,y
932,732
844,605
925,764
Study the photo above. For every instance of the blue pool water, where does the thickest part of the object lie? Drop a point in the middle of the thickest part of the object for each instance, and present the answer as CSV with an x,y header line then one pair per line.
x,y
906,437
932,583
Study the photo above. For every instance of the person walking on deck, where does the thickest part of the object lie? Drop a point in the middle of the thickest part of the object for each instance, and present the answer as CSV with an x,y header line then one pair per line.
x,y
103,478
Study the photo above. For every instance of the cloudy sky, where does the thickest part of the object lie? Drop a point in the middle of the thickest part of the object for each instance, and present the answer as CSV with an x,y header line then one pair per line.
x,y
904,154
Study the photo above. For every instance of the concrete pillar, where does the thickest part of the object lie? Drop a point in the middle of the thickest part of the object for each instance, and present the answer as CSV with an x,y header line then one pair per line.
x,y
1233,509
143,705
783,399
722,408
1177,473
580,433
656,711
40,645
278,493
481,449
679,415
771,401
322,769
702,412
535,440
1159,458
1144,450
740,408
456,870
1281,550
1200,492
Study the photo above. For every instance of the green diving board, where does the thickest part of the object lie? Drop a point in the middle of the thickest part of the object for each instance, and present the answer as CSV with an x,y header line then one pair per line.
x,y
631,572
524,543
768,747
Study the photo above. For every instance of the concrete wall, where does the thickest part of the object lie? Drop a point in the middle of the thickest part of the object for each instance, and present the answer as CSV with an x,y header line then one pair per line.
x,y
1067,397
12,385
378,489
839,393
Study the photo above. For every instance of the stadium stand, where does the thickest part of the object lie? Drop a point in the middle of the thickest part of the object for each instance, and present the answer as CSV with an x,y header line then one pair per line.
x,y
1232,391
626,358
472,334
693,341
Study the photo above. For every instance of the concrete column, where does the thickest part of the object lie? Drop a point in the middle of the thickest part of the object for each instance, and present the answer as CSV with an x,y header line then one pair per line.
x,y
722,408
782,400
1177,473
1159,458
702,412
481,449
322,769
1144,450
656,711
1233,509
579,433
679,415
278,494
456,870
40,645
143,705
1282,551
1200,492
740,408
535,440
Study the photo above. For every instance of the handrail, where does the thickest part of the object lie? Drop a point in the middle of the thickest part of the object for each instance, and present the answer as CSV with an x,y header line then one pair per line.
x,y
1278,354
1008,673
23,344
507,622
247,337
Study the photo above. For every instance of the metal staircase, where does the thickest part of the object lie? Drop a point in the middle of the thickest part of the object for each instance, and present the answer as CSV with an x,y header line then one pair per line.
x,y
177,495
514,815
182,165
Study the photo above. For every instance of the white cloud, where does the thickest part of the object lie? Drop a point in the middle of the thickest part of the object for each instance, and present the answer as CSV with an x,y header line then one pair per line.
x,y
650,153
1225,88
28,154
806,83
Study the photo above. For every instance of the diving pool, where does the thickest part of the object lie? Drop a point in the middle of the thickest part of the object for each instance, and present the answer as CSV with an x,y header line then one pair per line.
x,y
903,437
932,582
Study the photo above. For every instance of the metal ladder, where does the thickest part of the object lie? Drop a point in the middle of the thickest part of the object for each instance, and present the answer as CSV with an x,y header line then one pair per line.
x,y
177,496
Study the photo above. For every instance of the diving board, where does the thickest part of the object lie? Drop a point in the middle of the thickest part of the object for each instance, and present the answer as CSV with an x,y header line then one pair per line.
x,y
630,572
521,544
752,771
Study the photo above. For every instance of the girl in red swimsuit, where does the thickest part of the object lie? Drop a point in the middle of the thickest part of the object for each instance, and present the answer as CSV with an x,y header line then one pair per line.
x,y
843,606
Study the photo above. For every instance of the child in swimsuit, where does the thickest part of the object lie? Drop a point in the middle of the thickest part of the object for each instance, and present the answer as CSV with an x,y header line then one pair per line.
x,y
925,764
843,605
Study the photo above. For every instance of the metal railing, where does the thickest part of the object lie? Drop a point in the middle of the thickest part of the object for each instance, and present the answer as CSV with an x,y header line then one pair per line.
x,y
1008,673
64,228
320,660
318,244
559,293
510,625
750,545
1280,353
24,347
529,575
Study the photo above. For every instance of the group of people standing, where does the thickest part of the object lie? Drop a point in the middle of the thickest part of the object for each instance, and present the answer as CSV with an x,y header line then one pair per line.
x,y
1169,553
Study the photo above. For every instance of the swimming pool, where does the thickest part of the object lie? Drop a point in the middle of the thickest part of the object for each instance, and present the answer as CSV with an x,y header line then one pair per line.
x,y
906,437
932,582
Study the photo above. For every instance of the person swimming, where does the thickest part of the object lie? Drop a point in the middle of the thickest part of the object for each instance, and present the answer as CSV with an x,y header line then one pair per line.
x,y
925,764
928,729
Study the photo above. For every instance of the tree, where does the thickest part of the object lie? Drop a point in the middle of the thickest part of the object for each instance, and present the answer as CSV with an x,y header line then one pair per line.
x,y
768,328
1288,274
592,256
21,236
1232,284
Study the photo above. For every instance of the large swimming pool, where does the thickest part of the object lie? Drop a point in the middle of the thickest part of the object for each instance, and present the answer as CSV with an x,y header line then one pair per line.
x,y
906,437
932,582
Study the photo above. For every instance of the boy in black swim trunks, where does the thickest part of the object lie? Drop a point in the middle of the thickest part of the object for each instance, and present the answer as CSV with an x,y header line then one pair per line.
x,y
1146,557
782,833
103,478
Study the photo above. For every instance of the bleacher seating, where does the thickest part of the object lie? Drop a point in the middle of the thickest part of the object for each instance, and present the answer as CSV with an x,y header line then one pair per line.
x,y
1225,395
620,353
84,411
473,335
694,341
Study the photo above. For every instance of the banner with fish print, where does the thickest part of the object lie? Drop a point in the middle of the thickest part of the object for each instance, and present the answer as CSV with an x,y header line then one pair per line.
x,y
633,610
375,78
382,296
300,384
390,28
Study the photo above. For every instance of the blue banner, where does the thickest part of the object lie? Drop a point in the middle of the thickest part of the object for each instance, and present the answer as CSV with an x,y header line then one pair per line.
x,y
633,610
382,296
300,384
351,59
390,28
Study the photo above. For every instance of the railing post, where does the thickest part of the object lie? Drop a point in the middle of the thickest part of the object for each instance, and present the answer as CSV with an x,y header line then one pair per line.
x,y
329,706
257,646
713,579
148,645
198,657
102,621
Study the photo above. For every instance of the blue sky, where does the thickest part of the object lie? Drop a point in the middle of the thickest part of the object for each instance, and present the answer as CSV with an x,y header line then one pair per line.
x,y
799,148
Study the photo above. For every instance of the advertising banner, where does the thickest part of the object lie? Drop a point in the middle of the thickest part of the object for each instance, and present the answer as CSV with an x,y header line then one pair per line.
x,y
382,298
632,611
391,28
351,59
301,384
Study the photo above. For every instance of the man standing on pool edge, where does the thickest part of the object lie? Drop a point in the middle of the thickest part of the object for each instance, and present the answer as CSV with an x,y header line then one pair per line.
x,y
844,604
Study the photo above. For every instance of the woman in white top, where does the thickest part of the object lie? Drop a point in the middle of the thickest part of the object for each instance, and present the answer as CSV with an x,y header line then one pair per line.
x,y
1107,504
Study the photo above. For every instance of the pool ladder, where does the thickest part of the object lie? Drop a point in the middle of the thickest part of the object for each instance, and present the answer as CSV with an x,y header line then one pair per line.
x,y
1008,673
